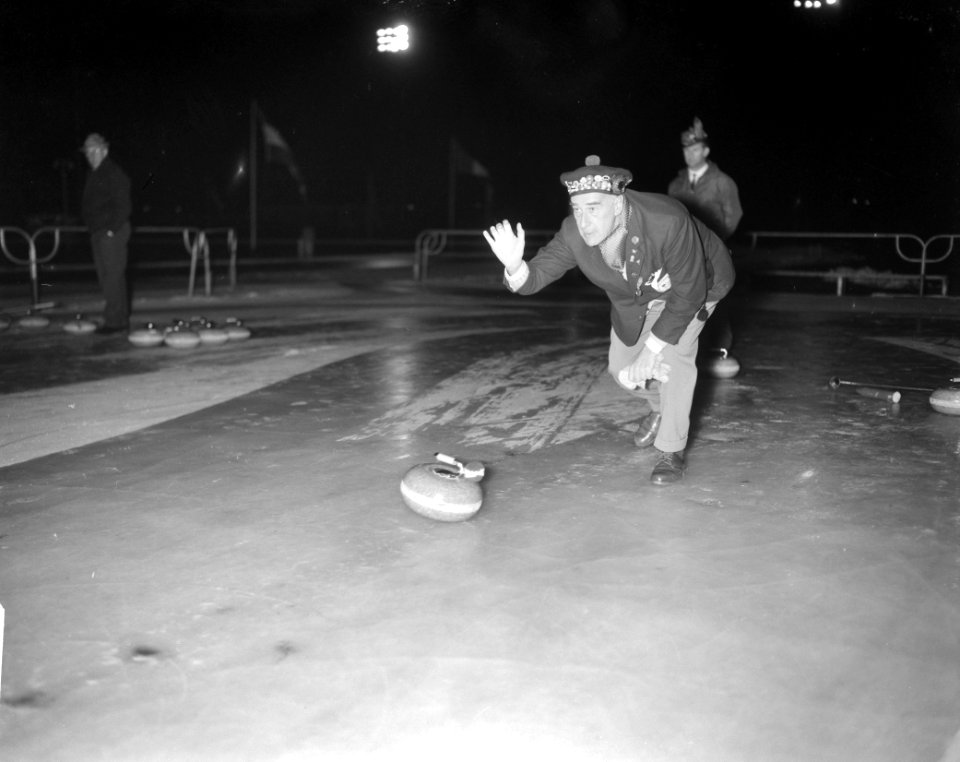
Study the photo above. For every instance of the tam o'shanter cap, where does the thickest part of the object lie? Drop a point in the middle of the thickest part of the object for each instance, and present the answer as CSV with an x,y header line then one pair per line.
x,y
694,134
595,178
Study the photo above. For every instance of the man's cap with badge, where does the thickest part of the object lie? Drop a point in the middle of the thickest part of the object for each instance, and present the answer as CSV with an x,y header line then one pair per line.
x,y
596,178
694,134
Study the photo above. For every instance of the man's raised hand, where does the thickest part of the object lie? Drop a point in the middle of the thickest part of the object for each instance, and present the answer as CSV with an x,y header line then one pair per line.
x,y
507,245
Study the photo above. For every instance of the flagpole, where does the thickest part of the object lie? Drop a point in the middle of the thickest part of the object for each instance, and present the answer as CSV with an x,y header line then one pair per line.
x,y
451,186
253,175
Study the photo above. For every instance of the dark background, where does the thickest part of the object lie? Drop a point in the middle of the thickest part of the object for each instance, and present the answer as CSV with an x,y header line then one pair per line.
x,y
840,119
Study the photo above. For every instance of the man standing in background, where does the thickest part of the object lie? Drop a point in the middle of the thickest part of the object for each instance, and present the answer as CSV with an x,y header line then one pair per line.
x,y
106,212
712,197
710,194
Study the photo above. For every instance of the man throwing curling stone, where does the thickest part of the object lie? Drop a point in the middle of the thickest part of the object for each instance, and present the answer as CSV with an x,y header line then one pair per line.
x,y
664,273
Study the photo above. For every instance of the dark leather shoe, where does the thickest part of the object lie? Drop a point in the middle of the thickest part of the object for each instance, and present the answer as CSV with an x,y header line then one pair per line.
x,y
647,430
668,468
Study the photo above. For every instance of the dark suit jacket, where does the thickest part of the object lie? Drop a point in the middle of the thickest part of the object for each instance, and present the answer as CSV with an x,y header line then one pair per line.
x,y
715,200
662,239
106,197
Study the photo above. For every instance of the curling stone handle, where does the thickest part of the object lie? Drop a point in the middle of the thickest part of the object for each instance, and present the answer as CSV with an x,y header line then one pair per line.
x,y
449,460
473,471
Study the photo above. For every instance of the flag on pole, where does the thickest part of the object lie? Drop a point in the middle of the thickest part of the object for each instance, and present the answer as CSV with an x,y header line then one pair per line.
x,y
463,163
278,151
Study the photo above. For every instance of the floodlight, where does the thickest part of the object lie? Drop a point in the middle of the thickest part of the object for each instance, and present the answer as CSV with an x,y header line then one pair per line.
x,y
393,39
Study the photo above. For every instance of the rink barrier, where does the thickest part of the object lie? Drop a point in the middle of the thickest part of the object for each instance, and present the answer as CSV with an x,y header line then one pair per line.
x,y
923,259
841,278
433,242
196,241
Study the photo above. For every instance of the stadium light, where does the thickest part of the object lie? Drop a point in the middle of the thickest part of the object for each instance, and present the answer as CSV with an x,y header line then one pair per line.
x,y
394,39
815,4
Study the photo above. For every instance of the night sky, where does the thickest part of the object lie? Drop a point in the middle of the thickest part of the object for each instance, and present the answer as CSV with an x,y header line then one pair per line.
x,y
842,119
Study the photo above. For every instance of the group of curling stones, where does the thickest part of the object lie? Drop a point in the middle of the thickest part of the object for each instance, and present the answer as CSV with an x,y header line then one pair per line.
x,y
179,334
187,334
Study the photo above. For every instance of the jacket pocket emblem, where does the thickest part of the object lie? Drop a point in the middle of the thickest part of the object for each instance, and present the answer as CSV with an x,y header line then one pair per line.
x,y
658,282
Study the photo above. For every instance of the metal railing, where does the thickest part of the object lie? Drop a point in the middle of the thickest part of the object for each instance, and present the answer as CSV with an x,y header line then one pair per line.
x,y
434,241
923,259
196,241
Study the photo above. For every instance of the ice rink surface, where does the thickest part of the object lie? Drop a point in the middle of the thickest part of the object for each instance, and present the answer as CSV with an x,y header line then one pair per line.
x,y
204,554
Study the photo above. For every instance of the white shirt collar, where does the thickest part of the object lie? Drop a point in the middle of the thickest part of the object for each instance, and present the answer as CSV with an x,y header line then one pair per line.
x,y
695,175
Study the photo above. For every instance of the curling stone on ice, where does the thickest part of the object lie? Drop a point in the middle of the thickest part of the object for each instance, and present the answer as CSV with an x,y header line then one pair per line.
x,y
947,399
209,333
79,324
236,330
447,490
723,366
148,336
179,336
33,320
